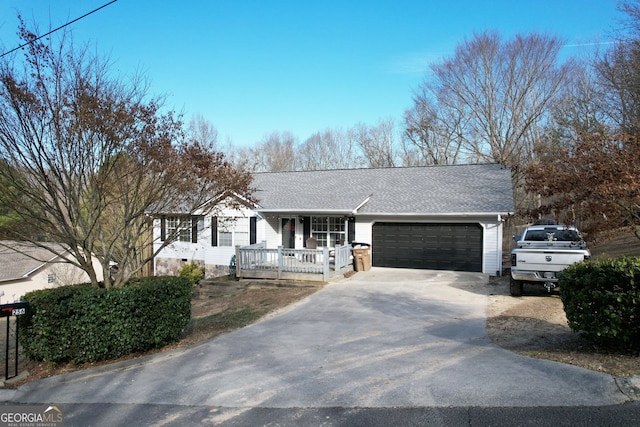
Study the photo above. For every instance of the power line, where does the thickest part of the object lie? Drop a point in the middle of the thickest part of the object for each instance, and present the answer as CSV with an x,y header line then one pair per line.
x,y
59,28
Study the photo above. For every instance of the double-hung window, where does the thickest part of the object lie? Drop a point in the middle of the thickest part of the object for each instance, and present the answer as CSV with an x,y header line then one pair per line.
x,y
241,232
231,231
180,228
328,230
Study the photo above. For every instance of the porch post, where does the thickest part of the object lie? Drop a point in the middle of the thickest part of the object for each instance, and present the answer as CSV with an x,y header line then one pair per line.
x,y
238,263
325,263
280,262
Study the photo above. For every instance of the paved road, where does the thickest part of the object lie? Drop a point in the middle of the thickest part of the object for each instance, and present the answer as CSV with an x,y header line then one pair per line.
x,y
109,415
383,339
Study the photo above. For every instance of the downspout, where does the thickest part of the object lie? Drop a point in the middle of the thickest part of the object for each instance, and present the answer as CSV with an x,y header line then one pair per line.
x,y
499,247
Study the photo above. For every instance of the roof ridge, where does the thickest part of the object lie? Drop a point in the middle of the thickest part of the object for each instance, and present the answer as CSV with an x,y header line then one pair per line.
x,y
380,168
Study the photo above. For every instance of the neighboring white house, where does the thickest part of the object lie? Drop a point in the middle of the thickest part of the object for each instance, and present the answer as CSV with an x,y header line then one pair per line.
x,y
27,267
434,217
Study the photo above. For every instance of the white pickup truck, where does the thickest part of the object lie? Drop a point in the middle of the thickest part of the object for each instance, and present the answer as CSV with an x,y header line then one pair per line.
x,y
541,252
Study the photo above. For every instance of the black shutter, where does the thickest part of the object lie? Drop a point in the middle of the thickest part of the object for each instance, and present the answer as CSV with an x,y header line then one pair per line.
x,y
351,225
253,235
163,229
306,230
194,229
214,231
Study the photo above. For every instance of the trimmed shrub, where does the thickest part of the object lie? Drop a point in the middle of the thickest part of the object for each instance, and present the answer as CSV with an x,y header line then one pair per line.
x,y
601,300
193,272
82,323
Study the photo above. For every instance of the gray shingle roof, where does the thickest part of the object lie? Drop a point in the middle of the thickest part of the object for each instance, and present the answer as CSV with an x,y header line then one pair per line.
x,y
19,259
430,190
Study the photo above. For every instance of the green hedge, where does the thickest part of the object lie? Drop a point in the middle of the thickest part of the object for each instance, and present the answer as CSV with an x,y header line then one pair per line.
x,y
83,323
602,301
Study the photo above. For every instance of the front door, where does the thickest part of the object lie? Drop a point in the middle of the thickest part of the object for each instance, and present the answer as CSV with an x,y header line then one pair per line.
x,y
288,232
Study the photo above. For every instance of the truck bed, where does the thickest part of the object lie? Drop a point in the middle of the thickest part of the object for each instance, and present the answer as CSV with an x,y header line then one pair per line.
x,y
541,260
542,252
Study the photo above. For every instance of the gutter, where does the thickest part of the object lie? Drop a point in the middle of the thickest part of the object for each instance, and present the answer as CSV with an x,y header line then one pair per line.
x,y
13,279
307,211
436,214
499,215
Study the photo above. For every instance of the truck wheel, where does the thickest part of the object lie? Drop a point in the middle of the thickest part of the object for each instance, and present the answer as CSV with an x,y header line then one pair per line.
x,y
515,287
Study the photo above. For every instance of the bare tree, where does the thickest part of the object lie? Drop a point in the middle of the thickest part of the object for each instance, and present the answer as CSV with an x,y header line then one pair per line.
x,y
620,80
377,143
433,134
579,111
329,149
490,95
203,132
277,152
93,158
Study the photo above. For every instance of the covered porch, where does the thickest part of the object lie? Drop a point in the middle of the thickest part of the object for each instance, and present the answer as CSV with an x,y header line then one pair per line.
x,y
259,262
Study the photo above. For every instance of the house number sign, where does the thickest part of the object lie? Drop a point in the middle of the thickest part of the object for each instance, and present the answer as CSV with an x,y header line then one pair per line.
x,y
14,309
7,310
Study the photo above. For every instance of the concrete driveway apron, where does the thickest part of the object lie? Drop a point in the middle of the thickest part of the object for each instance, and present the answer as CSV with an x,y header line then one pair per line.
x,y
382,338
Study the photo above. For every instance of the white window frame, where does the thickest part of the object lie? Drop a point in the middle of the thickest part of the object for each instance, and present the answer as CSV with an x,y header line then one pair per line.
x,y
233,231
328,230
179,226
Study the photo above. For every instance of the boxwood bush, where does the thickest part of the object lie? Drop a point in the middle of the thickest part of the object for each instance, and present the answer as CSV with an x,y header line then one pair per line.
x,y
83,323
601,300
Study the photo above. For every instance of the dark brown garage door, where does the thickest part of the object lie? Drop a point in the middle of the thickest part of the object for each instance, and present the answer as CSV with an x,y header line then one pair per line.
x,y
455,247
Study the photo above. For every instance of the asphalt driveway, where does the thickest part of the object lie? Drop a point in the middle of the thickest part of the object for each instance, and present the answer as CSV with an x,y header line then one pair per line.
x,y
383,338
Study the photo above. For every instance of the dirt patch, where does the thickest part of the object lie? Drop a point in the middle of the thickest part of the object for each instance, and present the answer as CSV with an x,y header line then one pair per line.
x,y
254,300
535,325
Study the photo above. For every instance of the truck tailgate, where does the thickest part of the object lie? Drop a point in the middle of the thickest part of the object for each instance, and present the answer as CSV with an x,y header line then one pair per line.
x,y
541,260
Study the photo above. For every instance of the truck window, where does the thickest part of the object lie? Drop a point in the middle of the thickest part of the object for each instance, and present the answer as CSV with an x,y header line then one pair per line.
x,y
552,235
536,236
566,236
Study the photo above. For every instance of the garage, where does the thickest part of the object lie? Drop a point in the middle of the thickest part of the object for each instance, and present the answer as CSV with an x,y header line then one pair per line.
x,y
451,246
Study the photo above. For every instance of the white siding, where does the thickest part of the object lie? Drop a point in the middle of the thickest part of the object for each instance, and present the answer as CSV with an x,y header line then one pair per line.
x,y
364,230
272,232
492,247
215,258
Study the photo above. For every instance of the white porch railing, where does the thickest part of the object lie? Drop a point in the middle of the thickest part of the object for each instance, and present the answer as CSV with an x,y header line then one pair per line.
x,y
342,256
258,261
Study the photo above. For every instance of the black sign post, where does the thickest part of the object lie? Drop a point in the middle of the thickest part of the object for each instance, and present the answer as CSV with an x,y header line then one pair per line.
x,y
8,310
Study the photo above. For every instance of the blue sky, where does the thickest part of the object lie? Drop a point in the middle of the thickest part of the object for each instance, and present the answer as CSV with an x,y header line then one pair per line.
x,y
254,67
